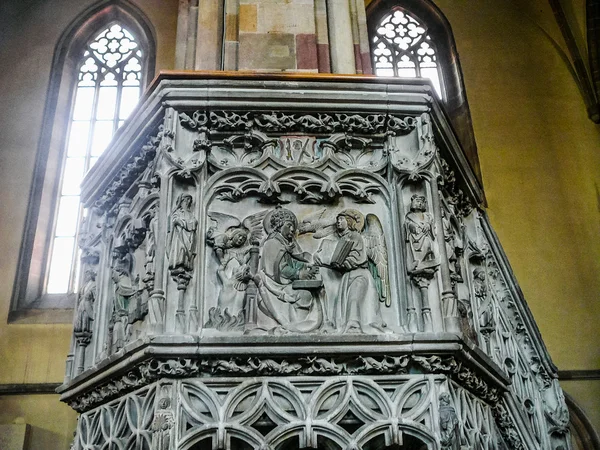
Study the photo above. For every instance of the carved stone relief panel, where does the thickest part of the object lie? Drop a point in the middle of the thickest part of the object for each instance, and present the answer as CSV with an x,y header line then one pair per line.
x,y
87,296
131,265
296,268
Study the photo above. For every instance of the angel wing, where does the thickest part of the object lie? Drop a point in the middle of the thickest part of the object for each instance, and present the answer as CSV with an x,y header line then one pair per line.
x,y
254,225
219,223
378,257
318,223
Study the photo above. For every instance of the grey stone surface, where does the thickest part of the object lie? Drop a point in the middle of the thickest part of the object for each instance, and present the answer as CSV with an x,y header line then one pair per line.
x,y
260,230
267,51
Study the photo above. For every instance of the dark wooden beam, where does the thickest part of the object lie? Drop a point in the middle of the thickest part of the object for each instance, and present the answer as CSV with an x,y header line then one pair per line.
x,y
575,375
28,388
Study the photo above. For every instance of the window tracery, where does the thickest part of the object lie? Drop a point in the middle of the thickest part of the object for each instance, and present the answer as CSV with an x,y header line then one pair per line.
x,y
403,47
107,90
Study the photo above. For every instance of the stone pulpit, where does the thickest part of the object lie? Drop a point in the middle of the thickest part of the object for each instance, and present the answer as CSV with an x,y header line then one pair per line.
x,y
291,262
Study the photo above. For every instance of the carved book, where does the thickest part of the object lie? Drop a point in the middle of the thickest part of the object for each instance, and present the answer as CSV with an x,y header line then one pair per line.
x,y
334,252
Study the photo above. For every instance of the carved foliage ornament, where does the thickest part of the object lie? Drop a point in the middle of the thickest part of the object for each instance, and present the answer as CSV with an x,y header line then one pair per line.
x,y
155,369
137,164
284,122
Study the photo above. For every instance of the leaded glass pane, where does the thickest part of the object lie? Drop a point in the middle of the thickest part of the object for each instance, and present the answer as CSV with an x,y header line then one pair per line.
x,y
60,265
108,89
403,48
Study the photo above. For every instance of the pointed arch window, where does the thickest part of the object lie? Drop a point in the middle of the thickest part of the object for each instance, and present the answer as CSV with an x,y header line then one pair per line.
x,y
413,38
109,80
101,64
403,47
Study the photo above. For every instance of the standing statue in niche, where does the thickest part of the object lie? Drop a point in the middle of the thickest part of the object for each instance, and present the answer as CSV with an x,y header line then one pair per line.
x,y
85,303
125,290
420,233
453,248
236,248
151,235
487,322
423,259
362,259
182,244
84,317
449,433
162,424
290,296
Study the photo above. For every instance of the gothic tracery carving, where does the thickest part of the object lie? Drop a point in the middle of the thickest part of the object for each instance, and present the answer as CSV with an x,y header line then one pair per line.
x,y
228,226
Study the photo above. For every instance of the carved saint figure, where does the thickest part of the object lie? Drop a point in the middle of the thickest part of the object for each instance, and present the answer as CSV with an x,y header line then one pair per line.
x,y
236,249
426,134
453,248
124,291
122,277
183,225
449,438
420,233
283,298
161,426
85,303
487,323
362,259
151,244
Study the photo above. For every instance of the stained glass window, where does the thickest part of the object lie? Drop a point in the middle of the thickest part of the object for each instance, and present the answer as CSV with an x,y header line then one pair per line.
x,y
108,88
402,47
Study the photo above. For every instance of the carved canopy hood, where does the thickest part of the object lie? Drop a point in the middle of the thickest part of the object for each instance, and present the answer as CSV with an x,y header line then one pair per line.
x,y
291,262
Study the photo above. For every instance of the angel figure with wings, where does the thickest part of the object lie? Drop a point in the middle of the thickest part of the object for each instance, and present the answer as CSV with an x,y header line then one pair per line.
x,y
360,254
236,246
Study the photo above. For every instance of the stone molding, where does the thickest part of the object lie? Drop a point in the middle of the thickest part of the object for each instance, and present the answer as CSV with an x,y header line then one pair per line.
x,y
142,365
185,91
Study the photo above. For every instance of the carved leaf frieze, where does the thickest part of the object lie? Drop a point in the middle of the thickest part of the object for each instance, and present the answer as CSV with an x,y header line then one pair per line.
x,y
130,172
155,369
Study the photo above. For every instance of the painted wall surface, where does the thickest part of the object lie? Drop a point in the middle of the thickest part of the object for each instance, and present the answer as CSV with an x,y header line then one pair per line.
x,y
51,422
540,161
586,394
540,164
539,156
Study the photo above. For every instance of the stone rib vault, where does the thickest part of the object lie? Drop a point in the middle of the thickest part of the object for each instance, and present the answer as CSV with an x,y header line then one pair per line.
x,y
274,262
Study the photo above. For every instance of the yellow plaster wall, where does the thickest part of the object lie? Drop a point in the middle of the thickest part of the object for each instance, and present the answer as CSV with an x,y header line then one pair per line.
x,y
586,394
29,31
540,160
51,422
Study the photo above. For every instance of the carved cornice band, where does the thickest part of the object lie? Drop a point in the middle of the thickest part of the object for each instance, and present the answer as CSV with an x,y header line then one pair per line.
x,y
153,369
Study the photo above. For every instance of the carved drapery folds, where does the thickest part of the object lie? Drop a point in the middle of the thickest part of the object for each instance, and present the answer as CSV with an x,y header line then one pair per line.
x,y
290,231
